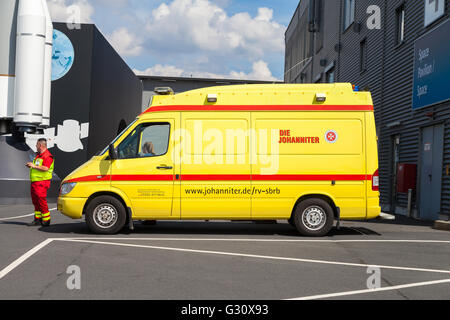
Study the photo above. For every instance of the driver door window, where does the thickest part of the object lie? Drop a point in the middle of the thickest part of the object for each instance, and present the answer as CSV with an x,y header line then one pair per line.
x,y
147,140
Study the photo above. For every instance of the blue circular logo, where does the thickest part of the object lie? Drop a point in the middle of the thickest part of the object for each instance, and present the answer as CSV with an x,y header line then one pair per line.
x,y
63,55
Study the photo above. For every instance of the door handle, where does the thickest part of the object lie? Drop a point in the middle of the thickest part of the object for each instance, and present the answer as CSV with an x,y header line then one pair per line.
x,y
164,167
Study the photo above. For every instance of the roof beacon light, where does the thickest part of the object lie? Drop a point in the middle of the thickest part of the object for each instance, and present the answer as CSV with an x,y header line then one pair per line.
x,y
164,91
321,97
212,98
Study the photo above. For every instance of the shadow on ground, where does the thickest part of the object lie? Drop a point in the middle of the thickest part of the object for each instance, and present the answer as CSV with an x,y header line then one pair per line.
x,y
402,220
207,228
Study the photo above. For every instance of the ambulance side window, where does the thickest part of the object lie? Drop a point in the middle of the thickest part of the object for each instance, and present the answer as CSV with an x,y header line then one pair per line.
x,y
154,140
146,140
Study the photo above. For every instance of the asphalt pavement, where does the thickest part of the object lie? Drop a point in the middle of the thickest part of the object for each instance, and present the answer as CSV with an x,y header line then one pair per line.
x,y
399,259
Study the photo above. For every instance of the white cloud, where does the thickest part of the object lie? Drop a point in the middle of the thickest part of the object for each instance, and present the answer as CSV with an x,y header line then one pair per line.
x,y
115,3
161,70
260,71
73,11
187,25
125,43
264,14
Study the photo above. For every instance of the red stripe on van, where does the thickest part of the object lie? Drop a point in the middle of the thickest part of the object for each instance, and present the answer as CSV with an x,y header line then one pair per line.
x,y
90,179
275,177
142,177
310,178
211,177
260,108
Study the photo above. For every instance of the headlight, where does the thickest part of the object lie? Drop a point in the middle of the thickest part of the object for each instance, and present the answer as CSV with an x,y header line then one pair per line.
x,y
66,188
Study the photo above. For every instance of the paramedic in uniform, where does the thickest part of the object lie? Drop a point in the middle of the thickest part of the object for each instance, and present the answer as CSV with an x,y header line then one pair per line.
x,y
41,170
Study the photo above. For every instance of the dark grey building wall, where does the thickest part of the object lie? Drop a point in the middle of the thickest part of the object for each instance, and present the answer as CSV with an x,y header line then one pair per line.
x,y
397,92
325,53
71,95
179,84
116,94
298,68
389,77
100,89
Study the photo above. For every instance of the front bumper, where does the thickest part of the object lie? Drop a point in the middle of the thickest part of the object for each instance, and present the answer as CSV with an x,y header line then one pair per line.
x,y
71,207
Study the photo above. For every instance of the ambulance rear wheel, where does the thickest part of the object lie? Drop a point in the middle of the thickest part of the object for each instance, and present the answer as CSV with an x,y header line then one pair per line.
x,y
105,215
314,217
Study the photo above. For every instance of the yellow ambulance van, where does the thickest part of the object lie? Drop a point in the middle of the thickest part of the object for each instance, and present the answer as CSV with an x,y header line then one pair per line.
x,y
306,153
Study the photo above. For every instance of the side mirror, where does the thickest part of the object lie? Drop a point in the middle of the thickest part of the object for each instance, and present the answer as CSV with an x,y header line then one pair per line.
x,y
113,155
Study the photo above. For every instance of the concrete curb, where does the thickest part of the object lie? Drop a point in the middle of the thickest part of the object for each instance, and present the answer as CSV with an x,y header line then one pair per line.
x,y
385,216
442,225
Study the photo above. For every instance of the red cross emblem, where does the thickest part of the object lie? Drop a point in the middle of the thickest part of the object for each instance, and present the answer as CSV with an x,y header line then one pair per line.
x,y
331,136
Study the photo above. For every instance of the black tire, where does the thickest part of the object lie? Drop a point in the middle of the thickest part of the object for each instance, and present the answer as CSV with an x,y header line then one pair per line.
x,y
105,215
313,217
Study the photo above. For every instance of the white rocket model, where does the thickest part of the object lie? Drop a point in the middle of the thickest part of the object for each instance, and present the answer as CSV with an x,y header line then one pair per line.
x,y
47,67
26,34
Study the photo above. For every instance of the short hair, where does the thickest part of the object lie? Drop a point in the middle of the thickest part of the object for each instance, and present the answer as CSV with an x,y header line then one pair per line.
x,y
43,141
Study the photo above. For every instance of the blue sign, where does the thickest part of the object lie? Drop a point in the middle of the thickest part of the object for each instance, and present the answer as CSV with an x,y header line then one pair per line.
x,y
432,67
63,55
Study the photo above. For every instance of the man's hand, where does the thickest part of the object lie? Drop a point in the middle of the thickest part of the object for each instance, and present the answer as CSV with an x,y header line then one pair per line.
x,y
40,168
31,165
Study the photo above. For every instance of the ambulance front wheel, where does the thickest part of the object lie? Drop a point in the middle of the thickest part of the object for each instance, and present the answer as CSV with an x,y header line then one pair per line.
x,y
105,215
313,217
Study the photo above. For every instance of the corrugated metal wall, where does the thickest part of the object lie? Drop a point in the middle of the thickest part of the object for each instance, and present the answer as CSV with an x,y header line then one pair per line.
x,y
389,77
295,63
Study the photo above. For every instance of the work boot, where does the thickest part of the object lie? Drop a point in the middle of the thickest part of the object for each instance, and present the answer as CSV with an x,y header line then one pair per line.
x,y
35,223
45,223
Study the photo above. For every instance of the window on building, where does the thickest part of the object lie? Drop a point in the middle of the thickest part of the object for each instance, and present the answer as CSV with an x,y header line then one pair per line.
x,y
305,39
363,56
331,76
400,24
434,9
349,13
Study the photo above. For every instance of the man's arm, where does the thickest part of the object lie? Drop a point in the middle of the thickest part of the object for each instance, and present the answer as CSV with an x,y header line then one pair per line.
x,y
40,168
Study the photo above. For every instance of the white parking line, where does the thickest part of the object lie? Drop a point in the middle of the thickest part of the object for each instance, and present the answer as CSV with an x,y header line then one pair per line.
x,y
20,217
351,293
257,256
23,258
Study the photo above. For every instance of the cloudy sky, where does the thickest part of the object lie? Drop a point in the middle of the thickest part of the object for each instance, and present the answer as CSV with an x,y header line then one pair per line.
x,y
200,38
